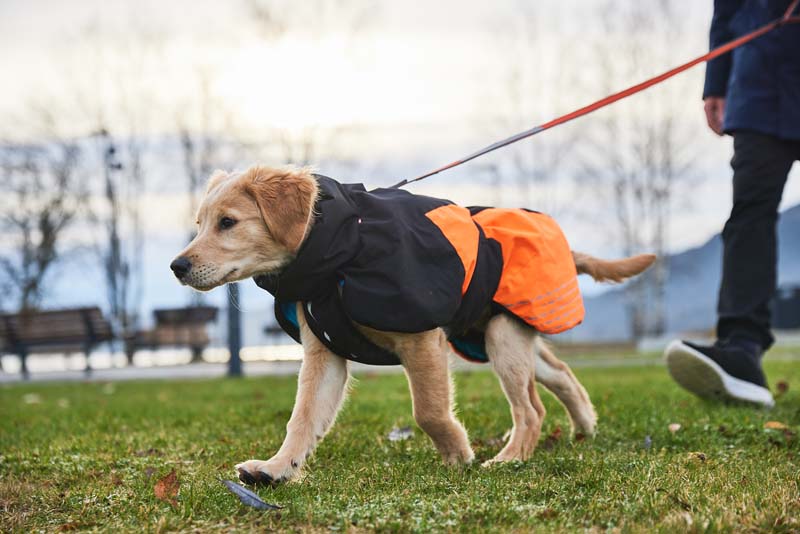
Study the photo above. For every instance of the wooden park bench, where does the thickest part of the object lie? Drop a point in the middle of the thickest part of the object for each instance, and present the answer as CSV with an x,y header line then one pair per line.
x,y
175,327
53,332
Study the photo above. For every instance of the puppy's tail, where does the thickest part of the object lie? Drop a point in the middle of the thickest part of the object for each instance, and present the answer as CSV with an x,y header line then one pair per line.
x,y
612,270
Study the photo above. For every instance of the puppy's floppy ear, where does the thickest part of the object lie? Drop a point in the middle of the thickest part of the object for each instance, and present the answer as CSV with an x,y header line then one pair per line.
x,y
285,198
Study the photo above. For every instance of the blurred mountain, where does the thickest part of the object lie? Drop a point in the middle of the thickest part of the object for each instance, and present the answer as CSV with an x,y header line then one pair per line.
x,y
692,286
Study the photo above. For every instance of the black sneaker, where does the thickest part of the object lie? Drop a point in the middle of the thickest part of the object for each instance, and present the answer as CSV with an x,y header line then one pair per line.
x,y
724,371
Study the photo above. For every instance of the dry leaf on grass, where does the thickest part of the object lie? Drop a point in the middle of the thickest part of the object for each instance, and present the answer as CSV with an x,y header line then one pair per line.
x,y
775,425
166,489
552,439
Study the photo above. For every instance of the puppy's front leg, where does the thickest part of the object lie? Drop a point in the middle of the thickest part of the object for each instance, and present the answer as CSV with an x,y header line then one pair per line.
x,y
321,387
427,368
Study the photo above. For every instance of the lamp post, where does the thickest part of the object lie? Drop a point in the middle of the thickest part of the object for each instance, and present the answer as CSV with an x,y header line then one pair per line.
x,y
234,331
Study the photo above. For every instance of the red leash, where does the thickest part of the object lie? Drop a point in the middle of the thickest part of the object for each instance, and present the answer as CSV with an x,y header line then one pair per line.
x,y
787,18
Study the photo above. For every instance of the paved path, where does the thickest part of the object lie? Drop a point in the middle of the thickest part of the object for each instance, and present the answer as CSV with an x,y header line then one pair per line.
x,y
290,367
273,368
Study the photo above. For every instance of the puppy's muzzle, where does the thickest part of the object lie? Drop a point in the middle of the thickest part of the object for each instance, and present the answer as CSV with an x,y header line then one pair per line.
x,y
181,267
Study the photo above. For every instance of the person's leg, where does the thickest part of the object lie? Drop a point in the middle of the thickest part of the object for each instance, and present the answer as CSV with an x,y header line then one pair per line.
x,y
731,368
760,164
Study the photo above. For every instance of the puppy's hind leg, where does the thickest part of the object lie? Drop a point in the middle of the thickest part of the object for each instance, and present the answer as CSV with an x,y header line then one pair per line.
x,y
510,348
557,377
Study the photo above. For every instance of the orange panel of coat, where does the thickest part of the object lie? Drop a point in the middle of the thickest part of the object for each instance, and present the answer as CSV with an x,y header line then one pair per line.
x,y
539,282
456,224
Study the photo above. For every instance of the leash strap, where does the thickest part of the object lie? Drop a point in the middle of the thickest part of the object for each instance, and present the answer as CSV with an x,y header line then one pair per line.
x,y
787,18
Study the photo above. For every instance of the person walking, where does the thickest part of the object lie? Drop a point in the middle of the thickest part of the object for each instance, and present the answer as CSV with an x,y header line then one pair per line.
x,y
752,94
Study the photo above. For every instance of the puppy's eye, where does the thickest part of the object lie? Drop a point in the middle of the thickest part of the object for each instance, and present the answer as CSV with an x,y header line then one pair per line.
x,y
226,222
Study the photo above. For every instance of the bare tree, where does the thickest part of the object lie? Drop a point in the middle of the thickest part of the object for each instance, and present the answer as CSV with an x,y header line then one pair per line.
x,y
533,88
121,242
41,196
640,157
118,120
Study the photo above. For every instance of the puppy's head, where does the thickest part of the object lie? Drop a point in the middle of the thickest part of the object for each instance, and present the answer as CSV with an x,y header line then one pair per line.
x,y
248,224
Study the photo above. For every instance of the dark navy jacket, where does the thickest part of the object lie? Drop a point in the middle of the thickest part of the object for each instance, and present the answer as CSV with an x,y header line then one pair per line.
x,y
760,80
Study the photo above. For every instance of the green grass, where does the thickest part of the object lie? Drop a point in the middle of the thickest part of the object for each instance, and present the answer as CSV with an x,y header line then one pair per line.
x,y
87,456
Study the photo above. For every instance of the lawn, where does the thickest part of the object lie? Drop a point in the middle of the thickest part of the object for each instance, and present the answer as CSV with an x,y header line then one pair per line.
x,y
87,457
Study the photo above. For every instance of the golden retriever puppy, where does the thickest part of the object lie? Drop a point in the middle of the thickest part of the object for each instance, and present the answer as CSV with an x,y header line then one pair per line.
x,y
388,277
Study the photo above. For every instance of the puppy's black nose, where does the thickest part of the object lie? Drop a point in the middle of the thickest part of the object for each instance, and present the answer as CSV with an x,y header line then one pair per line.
x,y
181,266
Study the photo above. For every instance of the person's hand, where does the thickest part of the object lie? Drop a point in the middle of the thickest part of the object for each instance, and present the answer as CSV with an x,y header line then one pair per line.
x,y
715,112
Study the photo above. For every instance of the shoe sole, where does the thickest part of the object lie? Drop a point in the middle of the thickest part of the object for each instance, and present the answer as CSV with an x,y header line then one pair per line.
x,y
701,375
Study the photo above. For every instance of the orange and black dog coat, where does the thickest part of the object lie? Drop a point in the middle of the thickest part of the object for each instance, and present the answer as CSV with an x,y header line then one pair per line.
x,y
399,262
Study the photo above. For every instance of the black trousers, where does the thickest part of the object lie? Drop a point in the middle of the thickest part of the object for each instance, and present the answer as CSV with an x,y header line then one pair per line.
x,y
761,164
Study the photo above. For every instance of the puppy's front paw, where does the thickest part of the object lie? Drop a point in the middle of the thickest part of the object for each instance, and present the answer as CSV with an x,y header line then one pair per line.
x,y
271,472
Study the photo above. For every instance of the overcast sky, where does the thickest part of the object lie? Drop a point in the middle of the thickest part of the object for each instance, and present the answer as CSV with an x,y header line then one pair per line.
x,y
410,63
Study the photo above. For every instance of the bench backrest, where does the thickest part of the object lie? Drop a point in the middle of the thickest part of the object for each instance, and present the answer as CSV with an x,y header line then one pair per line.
x,y
195,315
53,328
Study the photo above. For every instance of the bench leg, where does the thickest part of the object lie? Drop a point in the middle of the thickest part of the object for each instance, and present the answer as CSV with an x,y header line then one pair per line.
x,y
88,351
197,354
23,360
130,351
